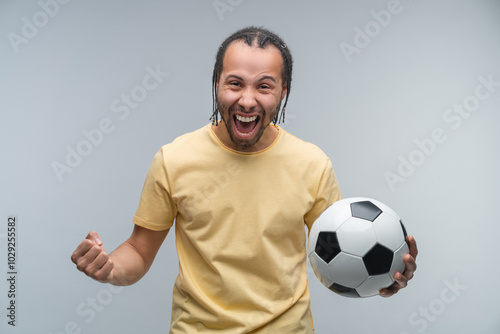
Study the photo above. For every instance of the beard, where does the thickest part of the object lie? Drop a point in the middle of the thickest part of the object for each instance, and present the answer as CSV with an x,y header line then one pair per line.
x,y
229,118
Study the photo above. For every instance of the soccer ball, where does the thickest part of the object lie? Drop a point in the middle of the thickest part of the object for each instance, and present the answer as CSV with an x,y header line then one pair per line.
x,y
356,246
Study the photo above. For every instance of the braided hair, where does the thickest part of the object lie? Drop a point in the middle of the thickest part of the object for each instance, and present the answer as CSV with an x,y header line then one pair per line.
x,y
261,38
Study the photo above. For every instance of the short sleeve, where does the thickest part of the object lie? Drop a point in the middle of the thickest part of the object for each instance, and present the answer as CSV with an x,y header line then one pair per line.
x,y
327,194
156,209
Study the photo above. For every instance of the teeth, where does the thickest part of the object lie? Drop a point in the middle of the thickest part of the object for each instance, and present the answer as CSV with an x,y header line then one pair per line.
x,y
246,119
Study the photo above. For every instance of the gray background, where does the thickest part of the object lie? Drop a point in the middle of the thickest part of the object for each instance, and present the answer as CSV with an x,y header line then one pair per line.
x,y
367,111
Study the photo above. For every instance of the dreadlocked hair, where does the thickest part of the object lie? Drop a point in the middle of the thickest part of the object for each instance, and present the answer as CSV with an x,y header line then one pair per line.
x,y
261,38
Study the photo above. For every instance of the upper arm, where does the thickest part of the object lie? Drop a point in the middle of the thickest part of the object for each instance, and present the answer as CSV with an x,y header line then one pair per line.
x,y
328,192
147,242
157,209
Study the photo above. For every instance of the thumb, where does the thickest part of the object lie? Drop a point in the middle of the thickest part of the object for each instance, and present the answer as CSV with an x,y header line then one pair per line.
x,y
93,236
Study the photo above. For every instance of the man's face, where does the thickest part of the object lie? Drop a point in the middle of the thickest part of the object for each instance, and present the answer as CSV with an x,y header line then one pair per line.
x,y
249,92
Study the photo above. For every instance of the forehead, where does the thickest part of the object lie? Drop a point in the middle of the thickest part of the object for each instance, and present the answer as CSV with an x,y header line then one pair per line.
x,y
240,56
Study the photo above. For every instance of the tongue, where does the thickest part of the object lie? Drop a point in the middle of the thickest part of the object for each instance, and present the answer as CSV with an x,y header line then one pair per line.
x,y
245,127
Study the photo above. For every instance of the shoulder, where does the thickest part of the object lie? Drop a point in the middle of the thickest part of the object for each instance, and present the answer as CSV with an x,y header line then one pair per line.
x,y
187,150
199,134
188,141
301,149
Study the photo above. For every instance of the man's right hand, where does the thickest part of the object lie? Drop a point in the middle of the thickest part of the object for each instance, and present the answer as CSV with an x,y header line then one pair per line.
x,y
91,258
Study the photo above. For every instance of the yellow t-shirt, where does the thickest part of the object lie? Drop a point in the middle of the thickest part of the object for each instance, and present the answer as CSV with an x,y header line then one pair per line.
x,y
239,227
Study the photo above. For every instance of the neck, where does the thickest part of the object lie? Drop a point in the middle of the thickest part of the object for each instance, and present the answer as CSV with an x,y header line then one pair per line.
x,y
267,139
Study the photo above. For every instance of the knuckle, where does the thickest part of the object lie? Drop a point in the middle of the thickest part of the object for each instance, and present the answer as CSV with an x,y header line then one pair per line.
x,y
80,265
88,271
102,255
97,276
100,276
85,242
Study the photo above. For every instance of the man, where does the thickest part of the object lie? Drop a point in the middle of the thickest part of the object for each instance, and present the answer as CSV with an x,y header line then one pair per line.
x,y
240,191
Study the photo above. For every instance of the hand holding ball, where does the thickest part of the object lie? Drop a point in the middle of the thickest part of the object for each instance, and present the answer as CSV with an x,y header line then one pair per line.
x,y
356,246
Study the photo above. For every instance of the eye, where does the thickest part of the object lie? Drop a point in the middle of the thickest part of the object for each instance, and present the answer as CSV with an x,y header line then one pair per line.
x,y
264,86
234,83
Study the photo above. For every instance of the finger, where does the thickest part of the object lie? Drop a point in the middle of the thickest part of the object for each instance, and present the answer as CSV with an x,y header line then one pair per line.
x,y
81,250
400,282
412,244
97,264
84,261
93,236
410,266
104,274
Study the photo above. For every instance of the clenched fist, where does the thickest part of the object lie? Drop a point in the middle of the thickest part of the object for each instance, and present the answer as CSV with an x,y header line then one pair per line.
x,y
91,258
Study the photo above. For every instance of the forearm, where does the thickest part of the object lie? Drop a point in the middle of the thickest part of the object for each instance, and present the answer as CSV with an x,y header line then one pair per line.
x,y
129,265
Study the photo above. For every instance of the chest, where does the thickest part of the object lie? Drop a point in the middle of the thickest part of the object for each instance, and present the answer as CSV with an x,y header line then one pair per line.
x,y
244,196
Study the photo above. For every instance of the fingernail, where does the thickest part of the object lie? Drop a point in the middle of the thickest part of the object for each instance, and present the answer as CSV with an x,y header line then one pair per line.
x,y
98,241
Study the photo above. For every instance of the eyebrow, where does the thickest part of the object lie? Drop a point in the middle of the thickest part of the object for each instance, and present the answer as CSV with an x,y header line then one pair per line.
x,y
264,77
267,77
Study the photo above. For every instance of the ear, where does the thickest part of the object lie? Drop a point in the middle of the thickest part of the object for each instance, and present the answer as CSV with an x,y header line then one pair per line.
x,y
283,92
217,81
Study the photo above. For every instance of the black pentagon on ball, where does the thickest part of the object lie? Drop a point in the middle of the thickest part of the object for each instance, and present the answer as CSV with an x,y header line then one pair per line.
x,y
378,260
327,246
365,210
344,291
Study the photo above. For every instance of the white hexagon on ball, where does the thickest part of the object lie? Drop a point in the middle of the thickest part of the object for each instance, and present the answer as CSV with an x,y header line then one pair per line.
x,y
397,261
356,236
334,216
388,230
348,270
372,285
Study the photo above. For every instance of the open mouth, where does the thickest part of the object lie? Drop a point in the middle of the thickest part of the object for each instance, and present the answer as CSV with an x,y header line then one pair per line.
x,y
245,126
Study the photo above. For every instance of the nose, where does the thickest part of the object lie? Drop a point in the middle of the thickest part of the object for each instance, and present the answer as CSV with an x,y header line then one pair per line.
x,y
247,99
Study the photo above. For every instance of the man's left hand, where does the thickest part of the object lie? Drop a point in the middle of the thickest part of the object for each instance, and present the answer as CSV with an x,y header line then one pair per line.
x,y
401,280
